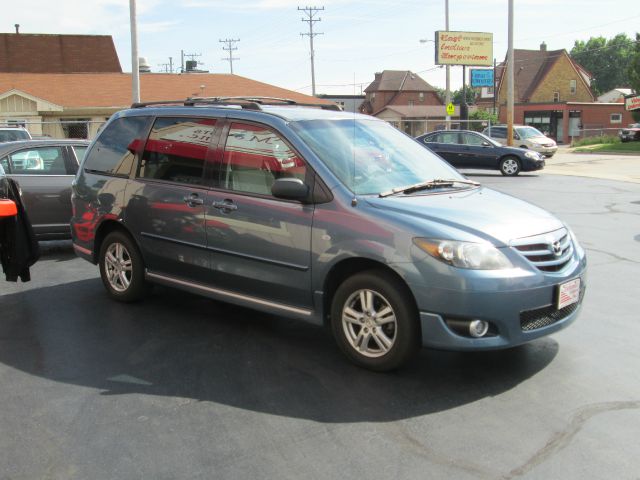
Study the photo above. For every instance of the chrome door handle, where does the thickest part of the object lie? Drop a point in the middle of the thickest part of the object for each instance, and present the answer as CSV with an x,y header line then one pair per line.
x,y
193,200
225,205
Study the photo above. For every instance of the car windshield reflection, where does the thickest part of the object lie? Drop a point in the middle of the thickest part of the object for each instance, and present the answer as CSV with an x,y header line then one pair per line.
x,y
370,156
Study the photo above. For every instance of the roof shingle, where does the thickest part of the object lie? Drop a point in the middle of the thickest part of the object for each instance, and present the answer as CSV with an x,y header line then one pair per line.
x,y
85,90
44,53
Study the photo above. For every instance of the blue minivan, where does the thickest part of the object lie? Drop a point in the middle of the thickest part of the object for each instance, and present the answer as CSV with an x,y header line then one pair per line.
x,y
333,218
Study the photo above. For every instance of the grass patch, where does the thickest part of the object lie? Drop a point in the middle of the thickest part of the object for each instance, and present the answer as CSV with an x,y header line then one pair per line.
x,y
607,139
631,147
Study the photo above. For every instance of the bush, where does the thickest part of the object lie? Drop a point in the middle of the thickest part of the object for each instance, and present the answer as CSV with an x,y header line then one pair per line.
x,y
596,140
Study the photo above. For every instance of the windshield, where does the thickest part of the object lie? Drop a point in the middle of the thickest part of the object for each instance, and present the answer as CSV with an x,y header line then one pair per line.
x,y
370,156
529,132
12,135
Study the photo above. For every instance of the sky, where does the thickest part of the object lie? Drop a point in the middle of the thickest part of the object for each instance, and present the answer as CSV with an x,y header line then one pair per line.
x,y
358,38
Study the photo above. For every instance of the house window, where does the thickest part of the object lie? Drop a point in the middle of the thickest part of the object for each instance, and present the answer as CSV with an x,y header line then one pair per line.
x,y
556,96
572,87
421,96
615,118
411,103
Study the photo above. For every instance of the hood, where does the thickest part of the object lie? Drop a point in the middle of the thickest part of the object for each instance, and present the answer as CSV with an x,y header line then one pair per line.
x,y
541,139
480,212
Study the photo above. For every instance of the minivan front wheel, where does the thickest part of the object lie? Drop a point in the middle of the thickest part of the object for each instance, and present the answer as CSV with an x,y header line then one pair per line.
x,y
374,321
122,268
509,166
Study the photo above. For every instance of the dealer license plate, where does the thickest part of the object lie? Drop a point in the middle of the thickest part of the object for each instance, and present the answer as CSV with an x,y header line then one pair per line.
x,y
568,293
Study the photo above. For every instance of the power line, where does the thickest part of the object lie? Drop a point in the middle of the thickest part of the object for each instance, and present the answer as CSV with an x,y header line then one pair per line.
x,y
230,42
311,13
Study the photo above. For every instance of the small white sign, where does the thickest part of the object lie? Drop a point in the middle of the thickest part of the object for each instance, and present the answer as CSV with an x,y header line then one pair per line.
x,y
569,293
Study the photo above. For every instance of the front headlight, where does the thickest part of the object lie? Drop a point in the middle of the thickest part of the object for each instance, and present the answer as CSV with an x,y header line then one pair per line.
x,y
532,155
476,256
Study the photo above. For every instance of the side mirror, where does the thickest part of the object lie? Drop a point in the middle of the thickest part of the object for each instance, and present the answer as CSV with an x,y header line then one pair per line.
x,y
486,144
290,189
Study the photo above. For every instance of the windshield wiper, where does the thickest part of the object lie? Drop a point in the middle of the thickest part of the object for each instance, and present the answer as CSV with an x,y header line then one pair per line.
x,y
435,183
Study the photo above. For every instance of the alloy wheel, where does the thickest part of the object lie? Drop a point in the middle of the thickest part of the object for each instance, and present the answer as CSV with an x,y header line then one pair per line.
x,y
118,267
369,323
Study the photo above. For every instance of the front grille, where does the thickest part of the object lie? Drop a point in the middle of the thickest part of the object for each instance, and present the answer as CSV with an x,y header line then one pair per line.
x,y
545,316
549,252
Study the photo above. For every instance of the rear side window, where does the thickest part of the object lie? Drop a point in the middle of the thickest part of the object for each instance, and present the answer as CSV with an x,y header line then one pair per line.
x,y
448,137
38,161
115,149
176,150
497,132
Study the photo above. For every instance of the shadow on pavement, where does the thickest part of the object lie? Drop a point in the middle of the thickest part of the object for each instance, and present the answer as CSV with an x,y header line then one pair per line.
x,y
179,345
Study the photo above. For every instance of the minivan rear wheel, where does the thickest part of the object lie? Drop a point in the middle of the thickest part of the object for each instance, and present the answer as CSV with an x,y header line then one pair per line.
x,y
374,321
122,268
510,166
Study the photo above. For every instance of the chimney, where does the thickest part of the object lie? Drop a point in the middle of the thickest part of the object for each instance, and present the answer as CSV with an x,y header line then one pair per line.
x,y
17,25
543,47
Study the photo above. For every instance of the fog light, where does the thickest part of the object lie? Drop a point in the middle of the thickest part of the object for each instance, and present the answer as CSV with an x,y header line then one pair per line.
x,y
478,328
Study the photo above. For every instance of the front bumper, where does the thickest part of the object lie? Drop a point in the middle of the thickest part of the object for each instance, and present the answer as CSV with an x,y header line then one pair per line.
x,y
516,316
546,151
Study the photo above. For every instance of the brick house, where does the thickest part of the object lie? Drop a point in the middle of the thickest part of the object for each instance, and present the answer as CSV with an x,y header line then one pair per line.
x,y
403,98
552,92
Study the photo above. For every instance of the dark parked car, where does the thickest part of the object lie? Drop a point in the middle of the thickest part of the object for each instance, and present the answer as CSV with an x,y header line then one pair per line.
x,y
632,132
45,169
18,246
468,149
323,216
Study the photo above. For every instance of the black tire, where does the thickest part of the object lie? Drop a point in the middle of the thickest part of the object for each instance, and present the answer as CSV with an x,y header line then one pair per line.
x,y
114,270
403,332
510,166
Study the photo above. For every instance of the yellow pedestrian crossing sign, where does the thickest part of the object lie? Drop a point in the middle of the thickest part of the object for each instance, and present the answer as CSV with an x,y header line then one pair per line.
x,y
450,109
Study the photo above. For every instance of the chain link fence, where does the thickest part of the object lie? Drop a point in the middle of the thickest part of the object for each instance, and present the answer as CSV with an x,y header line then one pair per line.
x,y
415,128
56,129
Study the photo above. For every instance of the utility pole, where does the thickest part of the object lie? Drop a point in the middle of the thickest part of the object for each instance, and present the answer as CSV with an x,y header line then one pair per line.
x,y
135,65
230,48
447,94
510,78
495,91
191,60
464,109
311,13
167,67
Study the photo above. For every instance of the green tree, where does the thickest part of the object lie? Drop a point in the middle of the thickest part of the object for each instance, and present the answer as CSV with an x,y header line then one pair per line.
x,y
606,59
456,95
485,116
634,66
634,72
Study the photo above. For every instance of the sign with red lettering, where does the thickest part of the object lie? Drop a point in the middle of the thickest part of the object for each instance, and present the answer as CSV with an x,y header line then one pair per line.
x,y
464,48
632,102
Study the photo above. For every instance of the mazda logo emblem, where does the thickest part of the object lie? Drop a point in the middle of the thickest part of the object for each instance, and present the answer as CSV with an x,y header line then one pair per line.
x,y
556,248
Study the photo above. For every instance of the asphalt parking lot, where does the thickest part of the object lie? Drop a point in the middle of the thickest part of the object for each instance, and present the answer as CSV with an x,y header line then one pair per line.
x,y
179,386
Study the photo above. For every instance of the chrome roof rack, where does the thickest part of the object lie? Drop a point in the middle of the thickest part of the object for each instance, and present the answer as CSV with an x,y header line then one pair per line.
x,y
249,103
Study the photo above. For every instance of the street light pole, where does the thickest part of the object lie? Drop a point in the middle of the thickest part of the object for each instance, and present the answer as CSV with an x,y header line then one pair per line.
x,y
447,95
135,67
510,78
